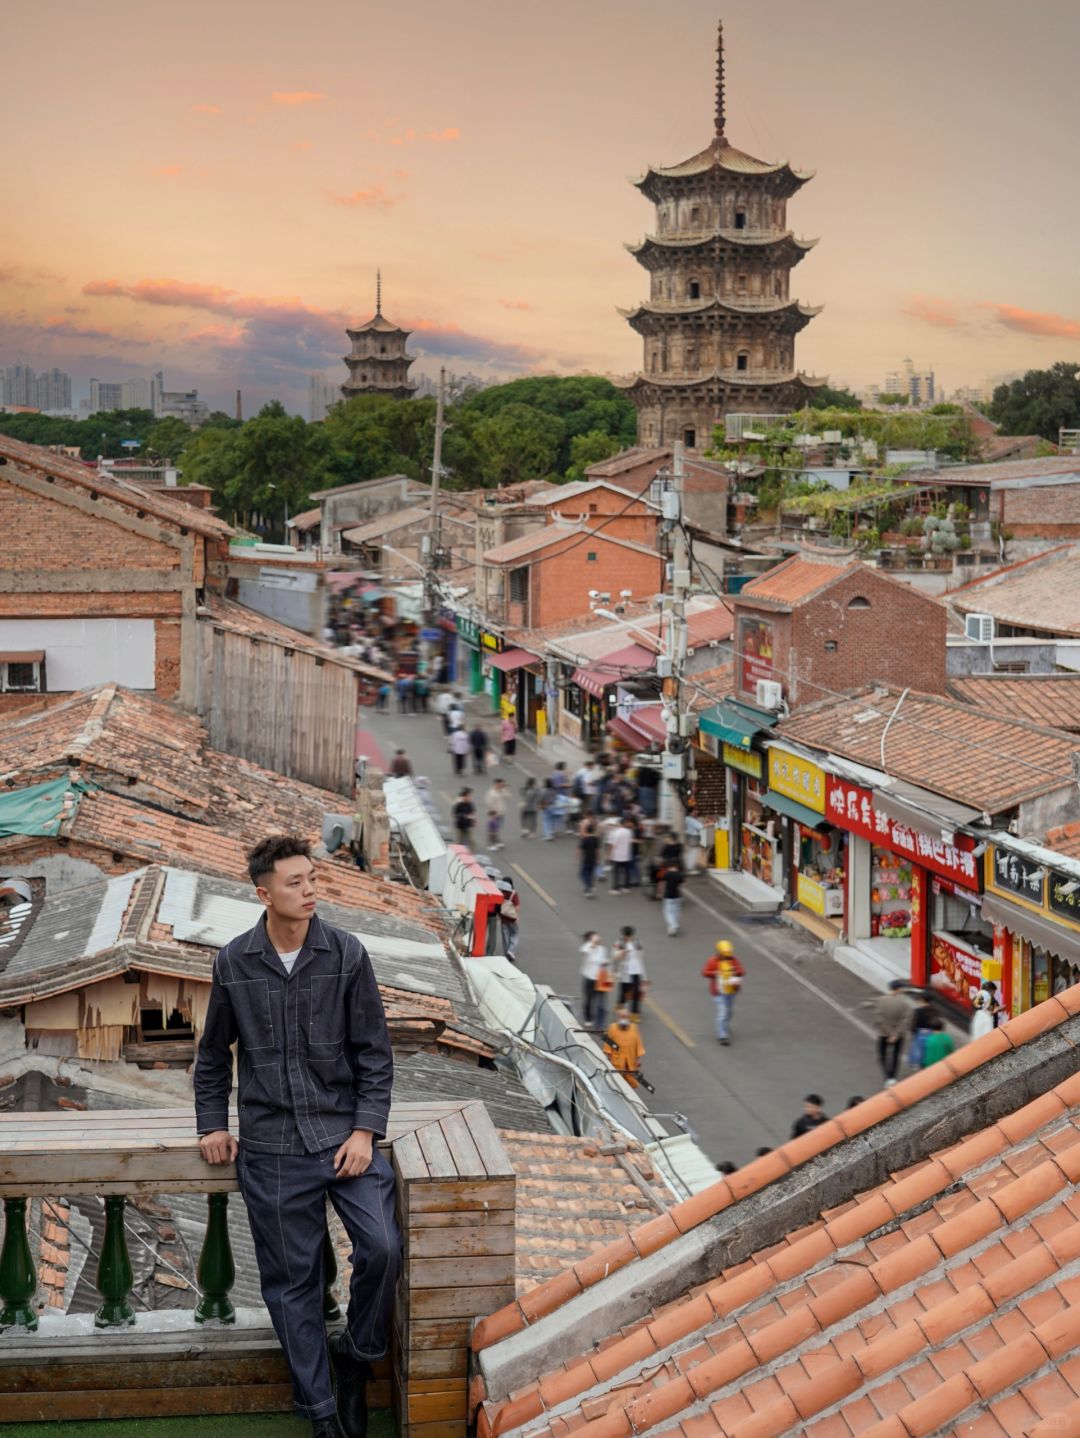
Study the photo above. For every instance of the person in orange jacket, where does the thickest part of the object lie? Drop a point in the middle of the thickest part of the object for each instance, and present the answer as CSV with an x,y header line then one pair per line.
x,y
624,1046
725,975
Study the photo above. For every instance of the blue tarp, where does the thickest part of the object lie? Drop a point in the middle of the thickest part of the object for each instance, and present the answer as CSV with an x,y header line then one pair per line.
x,y
40,809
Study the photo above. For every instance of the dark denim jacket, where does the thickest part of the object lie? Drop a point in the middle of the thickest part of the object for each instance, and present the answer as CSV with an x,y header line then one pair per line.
x,y
313,1050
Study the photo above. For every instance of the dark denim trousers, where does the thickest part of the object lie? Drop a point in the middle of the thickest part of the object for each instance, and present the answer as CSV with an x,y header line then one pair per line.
x,y
286,1198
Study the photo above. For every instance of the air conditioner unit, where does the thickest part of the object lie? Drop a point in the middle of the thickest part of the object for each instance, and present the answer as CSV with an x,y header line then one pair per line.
x,y
768,694
979,627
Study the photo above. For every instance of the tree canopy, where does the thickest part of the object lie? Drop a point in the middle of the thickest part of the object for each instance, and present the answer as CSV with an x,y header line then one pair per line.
x,y
1043,402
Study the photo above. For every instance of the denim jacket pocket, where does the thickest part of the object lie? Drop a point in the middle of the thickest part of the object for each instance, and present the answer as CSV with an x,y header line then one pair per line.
x,y
326,1020
254,1013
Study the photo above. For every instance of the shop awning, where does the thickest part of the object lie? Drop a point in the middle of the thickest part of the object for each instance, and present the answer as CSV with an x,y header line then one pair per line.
x,y
621,664
1054,938
512,659
922,811
734,723
592,681
789,807
650,723
629,736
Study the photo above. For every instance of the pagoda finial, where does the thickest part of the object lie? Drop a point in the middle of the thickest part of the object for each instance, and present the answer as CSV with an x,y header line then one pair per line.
x,y
720,80
378,292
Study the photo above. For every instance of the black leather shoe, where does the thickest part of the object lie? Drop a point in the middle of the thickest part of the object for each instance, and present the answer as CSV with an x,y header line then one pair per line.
x,y
325,1428
350,1377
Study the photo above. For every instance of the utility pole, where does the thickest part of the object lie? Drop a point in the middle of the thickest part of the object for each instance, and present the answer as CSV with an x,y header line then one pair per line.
x,y
433,536
675,644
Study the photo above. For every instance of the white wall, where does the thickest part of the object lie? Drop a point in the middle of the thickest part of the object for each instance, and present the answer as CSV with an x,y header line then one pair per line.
x,y
80,653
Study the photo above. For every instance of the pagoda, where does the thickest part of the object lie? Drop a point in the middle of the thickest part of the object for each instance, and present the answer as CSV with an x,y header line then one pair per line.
x,y
379,363
719,325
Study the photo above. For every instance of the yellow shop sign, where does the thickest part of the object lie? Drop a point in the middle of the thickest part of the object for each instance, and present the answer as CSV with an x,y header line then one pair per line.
x,y
797,778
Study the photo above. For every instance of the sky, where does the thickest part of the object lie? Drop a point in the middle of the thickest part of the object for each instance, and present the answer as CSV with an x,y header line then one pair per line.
x,y
211,190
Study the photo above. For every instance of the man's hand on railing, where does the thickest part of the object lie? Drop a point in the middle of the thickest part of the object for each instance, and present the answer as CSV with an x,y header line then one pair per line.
x,y
219,1146
354,1156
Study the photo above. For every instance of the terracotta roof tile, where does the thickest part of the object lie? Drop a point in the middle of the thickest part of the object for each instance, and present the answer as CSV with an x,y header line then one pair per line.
x,y
1049,700
796,580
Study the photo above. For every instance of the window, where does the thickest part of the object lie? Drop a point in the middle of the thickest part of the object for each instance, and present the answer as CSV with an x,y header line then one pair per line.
x,y
689,438
858,602
695,215
741,285
593,508
742,359
694,290
519,586
830,646
22,673
590,556
740,219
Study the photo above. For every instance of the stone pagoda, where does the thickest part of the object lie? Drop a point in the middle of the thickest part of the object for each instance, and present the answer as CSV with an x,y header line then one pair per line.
x,y
379,363
719,325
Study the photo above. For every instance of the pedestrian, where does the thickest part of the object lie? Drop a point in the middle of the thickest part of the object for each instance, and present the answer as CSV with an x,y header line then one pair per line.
x,y
508,734
629,964
464,813
509,919
459,748
547,803
938,1045
314,1086
382,700
624,1046
588,849
671,882
593,968
921,1020
530,804
404,693
420,693
725,974
982,1020
892,1014
633,820
455,713
669,851
478,743
400,767
496,813
621,848
812,1116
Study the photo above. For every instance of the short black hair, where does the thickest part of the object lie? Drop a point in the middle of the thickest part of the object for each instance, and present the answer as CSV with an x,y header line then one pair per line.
x,y
627,931
268,851
814,1098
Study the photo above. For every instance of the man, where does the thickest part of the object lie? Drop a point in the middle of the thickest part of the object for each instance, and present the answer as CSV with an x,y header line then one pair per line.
x,y
624,1046
459,748
629,964
496,813
621,848
594,986
671,884
588,849
455,714
400,767
464,814
478,742
892,1015
725,975
315,1069
812,1116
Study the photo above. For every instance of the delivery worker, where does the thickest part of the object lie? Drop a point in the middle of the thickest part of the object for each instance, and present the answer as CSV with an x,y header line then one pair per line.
x,y
624,1047
725,975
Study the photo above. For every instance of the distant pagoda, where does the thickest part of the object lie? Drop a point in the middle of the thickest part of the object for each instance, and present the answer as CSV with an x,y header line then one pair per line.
x,y
379,363
719,325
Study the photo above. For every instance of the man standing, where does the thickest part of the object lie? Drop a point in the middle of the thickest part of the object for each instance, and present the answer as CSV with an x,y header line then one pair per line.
x,y
629,963
496,813
464,813
812,1116
671,883
478,741
725,975
315,1070
593,971
892,1015
588,849
623,1045
621,848
459,748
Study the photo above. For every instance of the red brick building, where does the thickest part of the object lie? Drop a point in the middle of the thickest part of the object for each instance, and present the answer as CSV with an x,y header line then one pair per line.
x,y
816,624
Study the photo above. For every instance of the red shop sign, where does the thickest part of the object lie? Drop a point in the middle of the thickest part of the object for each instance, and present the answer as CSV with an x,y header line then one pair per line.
x,y
953,971
851,807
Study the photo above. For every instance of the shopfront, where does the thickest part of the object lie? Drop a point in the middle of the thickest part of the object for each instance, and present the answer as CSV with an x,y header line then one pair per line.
x,y
470,669
520,674
727,733
1035,909
807,850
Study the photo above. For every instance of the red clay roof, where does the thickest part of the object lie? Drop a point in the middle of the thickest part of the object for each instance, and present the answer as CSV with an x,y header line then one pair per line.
x,y
945,1301
1040,598
950,748
1051,700
795,580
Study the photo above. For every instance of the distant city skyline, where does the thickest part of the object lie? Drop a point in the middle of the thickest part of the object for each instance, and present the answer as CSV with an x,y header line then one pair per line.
x,y
484,162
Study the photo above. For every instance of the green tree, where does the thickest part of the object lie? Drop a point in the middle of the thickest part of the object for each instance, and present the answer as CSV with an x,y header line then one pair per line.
x,y
215,457
580,402
517,443
282,459
828,398
899,400
168,439
590,448
1043,402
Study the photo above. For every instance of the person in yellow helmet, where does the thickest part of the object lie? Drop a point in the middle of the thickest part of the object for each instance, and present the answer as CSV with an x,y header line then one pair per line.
x,y
725,975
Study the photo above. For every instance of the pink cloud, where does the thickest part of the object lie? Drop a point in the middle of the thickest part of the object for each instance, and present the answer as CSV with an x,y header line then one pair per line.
x,y
169,172
933,311
517,305
376,198
64,329
1033,322
207,109
450,133
297,97
298,145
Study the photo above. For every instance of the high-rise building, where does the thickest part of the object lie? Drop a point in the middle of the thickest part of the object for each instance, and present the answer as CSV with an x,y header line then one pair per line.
x,y
184,404
719,325
144,392
323,393
19,384
378,363
106,394
919,386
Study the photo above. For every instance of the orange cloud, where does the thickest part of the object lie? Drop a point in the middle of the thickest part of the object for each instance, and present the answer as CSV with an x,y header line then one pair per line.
x,y
450,133
1033,322
207,109
376,198
932,311
297,97
164,292
517,305
169,172
300,145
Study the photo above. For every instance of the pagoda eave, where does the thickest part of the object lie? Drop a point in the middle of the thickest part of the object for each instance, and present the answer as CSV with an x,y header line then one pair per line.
x,y
663,246
648,319
639,385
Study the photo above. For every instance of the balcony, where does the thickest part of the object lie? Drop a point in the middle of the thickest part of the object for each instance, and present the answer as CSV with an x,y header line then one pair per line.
x,y
456,1195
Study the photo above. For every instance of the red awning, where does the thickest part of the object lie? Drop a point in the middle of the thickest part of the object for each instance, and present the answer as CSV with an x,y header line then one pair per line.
x,y
627,663
593,683
513,659
630,737
649,722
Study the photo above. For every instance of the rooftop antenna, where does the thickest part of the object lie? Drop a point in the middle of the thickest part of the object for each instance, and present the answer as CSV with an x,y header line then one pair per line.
x,y
378,292
720,80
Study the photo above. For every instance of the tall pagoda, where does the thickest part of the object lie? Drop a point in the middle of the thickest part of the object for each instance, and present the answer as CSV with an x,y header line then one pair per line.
x,y
719,325
379,363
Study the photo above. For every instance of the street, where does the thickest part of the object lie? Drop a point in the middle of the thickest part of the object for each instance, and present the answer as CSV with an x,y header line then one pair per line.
x,y
799,1025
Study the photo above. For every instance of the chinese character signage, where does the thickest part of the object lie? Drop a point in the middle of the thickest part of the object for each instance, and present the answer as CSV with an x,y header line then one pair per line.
x,y
1063,895
746,761
797,778
492,642
756,647
469,630
852,807
1010,873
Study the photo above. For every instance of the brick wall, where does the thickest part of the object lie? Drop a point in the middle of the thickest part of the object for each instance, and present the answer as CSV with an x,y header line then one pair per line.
x,y
1049,510
167,658
559,587
54,536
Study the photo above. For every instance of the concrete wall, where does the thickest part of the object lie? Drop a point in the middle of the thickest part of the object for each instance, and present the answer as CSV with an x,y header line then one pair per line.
x,y
963,656
291,598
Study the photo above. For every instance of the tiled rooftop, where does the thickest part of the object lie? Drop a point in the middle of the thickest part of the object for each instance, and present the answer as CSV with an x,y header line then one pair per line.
x,y
1043,598
795,580
980,759
943,1301
1051,700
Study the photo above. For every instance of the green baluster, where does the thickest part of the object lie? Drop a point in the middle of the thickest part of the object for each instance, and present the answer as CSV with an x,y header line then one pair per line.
x,y
331,1310
18,1281
114,1274
217,1271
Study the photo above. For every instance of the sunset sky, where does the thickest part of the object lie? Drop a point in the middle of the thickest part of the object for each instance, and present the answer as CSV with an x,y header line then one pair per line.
x,y
210,189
